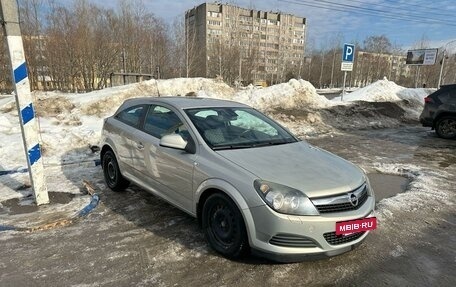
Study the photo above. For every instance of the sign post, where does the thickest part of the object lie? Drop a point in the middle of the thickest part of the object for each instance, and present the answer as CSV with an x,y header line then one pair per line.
x,y
9,18
348,57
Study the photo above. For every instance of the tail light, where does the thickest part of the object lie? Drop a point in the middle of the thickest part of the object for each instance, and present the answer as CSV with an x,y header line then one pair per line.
x,y
428,100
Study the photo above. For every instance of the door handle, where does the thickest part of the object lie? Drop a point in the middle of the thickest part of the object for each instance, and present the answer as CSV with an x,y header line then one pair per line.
x,y
140,146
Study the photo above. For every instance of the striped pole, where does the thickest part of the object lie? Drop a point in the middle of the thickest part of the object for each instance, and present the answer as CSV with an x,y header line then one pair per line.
x,y
29,126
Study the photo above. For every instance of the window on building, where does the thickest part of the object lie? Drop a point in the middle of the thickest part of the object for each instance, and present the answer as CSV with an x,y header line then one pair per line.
x,y
213,14
214,23
214,32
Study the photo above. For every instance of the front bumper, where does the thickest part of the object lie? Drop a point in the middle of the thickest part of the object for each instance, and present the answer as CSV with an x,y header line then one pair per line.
x,y
302,237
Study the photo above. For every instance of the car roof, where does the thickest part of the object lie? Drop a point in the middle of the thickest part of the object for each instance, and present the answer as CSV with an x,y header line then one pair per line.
x,y
183,102
448,86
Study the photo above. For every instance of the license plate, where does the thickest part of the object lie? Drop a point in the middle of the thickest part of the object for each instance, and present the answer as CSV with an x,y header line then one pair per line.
x,y
358,225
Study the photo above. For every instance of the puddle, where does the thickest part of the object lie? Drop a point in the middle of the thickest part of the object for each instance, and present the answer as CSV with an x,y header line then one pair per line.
x,y
27,205
387,185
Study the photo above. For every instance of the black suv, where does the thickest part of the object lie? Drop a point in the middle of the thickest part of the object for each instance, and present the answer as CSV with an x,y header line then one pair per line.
x,y
440,111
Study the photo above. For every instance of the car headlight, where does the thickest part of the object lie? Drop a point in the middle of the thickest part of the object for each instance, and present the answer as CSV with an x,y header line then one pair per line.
x,y
284,199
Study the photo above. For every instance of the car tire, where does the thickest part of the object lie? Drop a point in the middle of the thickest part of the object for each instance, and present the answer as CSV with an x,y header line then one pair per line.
x,y
224,226
111,172
446,127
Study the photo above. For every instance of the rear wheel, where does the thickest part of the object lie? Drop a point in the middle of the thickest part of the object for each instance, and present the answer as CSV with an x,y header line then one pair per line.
x,y
224,226
111,172
446,127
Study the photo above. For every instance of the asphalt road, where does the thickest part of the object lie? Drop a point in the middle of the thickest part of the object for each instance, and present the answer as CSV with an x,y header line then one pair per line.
x,y
135,239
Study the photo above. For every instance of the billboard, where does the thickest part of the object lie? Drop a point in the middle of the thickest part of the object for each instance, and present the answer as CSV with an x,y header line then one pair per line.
x,y
421,57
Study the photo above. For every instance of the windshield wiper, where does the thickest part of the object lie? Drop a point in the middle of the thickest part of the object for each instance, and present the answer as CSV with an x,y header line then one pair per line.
x,y
273,142
252,145
233,146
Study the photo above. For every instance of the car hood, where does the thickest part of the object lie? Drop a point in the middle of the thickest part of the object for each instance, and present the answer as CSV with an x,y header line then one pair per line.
x,y
299,165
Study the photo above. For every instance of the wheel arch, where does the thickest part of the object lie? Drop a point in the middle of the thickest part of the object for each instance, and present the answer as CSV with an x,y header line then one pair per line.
x,y
441,115
212,186
104,149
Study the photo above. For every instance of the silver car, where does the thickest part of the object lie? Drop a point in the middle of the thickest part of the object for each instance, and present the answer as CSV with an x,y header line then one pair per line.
x,y
251,184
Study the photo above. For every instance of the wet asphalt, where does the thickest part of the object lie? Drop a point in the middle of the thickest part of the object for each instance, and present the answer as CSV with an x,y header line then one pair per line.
x,y
136,239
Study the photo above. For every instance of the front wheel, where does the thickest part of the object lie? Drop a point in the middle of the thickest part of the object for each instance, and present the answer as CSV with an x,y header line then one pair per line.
x,y
224,226
446,127
111,172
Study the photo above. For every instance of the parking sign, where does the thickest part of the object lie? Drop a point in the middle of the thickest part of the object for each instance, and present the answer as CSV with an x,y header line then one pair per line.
x,y
349,53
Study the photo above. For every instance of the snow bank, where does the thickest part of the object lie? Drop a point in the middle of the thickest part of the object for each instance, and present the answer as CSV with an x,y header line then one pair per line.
x,y
291,95
105,102
294,94
386,91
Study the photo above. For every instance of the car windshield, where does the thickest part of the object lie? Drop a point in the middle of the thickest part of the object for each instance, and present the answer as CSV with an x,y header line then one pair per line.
x,y
232,128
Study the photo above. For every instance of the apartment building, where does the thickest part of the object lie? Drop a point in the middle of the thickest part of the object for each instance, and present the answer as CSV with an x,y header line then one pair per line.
x,y
243,44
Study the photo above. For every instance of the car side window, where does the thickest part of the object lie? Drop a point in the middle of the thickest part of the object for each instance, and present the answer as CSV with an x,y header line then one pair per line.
x,y
131,116
161,121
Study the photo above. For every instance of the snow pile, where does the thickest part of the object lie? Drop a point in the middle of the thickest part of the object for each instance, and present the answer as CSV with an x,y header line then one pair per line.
x,y
292,95
105,102
414,95
201,86
386,91
380,91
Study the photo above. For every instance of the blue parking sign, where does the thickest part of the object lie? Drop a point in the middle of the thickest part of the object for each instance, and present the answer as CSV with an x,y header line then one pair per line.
x,y
349,53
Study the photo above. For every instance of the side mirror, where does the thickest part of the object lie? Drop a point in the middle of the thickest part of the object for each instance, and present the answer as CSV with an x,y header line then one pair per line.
x,y
177,142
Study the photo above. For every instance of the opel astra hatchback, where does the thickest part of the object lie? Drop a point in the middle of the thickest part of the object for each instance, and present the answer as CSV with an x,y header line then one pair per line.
x,y
251,184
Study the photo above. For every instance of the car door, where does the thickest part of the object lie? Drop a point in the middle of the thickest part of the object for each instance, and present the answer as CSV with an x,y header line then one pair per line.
x,y
169,171
129,121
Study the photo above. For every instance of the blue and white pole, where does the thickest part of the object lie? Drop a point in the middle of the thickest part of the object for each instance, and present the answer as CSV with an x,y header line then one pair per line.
x,y
29,126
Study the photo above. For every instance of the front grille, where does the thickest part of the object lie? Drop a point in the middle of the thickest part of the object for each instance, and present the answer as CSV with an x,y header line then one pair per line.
x,y
290,240
343,206
334,239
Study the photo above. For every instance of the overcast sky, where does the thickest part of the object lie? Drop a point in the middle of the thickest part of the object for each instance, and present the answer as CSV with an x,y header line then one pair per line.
x,y
404,22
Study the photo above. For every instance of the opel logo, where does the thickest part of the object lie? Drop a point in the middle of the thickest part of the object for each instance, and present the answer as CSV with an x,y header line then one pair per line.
x,y
353,199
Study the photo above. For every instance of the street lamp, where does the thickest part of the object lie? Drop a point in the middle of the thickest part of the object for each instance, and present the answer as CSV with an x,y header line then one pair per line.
x,y
443,61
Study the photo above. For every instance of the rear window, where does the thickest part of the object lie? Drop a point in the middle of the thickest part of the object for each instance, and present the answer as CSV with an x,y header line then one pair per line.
x,y
131,116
